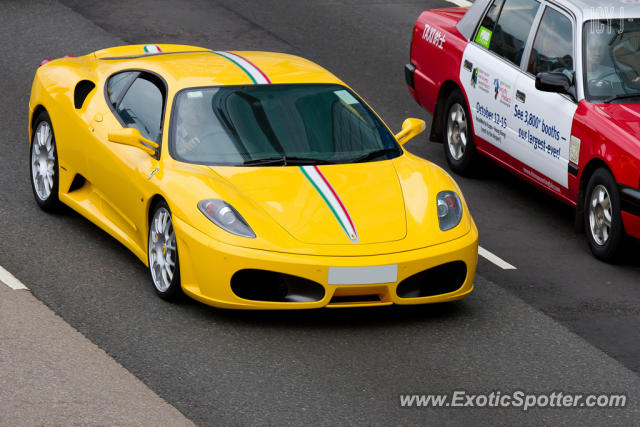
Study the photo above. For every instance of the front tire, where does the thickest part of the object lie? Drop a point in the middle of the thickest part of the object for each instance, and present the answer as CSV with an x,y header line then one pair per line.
x,y
163,254
459,148
602,217
43,164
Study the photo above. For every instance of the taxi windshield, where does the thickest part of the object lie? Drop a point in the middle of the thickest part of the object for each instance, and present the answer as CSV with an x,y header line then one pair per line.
x,y
277,125
612,60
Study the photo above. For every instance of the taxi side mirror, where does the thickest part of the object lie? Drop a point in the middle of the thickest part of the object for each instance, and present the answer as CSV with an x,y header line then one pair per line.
x,y
410,128
133,138
556,83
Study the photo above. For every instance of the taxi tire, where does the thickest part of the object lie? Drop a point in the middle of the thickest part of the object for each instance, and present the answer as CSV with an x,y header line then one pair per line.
x,y
612,246
466,165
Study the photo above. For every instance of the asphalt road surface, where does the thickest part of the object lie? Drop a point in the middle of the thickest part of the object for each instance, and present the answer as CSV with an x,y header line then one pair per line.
x,y
560,321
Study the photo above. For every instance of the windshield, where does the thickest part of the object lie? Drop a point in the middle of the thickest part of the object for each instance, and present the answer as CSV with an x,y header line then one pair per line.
x,y
269,125
612,60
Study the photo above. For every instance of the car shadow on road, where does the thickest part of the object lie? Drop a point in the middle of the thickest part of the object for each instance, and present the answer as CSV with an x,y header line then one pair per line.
x,y
336,318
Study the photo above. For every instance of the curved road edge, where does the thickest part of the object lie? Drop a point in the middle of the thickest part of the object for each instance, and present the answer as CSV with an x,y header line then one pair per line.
x,y
50,374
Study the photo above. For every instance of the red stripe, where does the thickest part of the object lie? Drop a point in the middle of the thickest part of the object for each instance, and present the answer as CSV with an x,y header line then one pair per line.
x,y
159,50
254,66
337,198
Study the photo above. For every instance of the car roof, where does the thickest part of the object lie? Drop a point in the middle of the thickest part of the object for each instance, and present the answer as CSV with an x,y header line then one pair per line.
x,y
583,9
595,9
190,66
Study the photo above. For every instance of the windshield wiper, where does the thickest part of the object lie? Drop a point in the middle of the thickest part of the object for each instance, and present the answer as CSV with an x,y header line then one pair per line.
x,y
267,161
307,161
374,154
621,96
286,161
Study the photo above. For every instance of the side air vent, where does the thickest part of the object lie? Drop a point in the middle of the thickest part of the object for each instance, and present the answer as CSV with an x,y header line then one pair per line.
x,y
83,88
77,183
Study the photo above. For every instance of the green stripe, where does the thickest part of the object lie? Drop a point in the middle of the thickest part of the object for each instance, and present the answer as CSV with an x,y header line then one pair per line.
x,y
239,66
335,214
145,49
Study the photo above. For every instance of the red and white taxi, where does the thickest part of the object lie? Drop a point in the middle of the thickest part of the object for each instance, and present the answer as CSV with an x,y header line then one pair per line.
x,y
548,89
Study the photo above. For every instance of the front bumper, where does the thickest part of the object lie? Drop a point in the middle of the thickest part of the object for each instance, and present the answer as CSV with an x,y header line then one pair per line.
x,y
207,266
409,71
630,207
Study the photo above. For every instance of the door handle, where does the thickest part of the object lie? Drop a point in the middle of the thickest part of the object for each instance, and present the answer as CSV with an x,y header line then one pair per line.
x,y
96,119
520,96
468,65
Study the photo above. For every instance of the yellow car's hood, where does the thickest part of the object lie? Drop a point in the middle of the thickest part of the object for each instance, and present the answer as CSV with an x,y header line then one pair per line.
x,y
392,205
330,204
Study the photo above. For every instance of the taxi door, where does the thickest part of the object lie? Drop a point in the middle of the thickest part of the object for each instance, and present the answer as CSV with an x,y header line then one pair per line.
x,y
544,119
491,67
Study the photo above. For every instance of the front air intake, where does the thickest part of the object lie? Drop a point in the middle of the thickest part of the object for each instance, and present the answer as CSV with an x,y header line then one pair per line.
x,y
263,285
438,280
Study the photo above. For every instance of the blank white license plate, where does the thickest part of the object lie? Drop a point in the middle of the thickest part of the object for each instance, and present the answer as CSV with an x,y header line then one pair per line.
x,y
363,275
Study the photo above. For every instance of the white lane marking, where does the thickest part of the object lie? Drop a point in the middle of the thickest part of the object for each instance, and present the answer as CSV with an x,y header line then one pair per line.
x,y
10,280
462,3
495,259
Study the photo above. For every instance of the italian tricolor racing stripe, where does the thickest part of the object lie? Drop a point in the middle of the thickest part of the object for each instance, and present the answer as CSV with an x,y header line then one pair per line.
x,y
312,173
152,48
328,194
256,75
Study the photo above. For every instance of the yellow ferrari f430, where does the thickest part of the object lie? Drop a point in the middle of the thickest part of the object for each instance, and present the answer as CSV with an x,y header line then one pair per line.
x,y
247,180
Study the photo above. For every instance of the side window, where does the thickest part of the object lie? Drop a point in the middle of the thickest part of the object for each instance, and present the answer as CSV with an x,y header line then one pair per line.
x,y
142,105
485,30
117,84
505,28
553,45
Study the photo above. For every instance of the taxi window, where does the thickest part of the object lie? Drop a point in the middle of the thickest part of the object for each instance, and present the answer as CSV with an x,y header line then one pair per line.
x,y
553,45
611,62
489,23
505,27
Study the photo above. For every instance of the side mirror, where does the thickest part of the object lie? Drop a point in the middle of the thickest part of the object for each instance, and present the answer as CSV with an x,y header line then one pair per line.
x,y
133,138
410,128
555,82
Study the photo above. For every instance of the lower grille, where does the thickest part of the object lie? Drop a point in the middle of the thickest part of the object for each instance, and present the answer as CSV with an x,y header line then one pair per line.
x,y
354,298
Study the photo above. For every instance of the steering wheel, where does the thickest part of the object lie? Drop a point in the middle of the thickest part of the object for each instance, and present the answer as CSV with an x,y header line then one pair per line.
x,y
206,144
601,78
600,82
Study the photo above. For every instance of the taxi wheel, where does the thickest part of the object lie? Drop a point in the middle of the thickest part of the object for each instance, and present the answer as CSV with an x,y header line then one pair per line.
x,y
163,254
459,148
43,164
602,218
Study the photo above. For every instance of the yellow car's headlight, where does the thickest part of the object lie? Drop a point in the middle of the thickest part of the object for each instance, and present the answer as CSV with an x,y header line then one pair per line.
x,y
226,217
449,210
